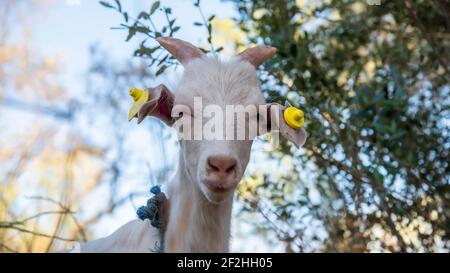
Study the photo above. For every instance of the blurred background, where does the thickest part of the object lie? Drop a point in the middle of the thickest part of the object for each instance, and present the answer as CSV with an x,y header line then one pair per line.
x,y
371,75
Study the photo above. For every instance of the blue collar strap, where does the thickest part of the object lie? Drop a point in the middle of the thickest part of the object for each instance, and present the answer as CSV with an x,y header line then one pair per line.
x,y
154,212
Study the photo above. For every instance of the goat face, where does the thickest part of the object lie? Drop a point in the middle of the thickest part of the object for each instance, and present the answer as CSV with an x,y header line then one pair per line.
x,y
215,164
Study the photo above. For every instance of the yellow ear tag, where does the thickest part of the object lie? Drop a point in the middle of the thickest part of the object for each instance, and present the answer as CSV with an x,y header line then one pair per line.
x,y
139,97
294,117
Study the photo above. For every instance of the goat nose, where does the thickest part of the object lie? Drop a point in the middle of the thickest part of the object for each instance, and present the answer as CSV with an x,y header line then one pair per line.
x,y
222,164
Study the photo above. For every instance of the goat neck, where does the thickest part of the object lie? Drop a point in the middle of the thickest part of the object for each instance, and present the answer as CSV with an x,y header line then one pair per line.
x,y
195,225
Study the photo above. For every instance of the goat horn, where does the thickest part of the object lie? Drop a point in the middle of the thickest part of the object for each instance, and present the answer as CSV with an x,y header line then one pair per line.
x,y
258,55
181,50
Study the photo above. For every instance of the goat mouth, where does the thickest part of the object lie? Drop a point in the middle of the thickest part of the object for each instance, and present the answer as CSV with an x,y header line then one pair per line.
x,y
217,187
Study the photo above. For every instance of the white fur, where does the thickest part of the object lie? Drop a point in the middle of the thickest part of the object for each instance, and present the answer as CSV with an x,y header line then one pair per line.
x,y
199,220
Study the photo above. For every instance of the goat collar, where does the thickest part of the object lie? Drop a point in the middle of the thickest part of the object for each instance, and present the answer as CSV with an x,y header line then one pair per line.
x,y
155,212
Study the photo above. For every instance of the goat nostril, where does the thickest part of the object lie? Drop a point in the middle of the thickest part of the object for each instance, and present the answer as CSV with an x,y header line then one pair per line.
x,y
231,168
222,164
213,167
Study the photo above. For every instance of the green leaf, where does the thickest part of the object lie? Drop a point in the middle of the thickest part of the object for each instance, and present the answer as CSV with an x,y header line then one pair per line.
x,y
107,5
198,24
163,60
119,6
211,18
143,15
154,7
161,70
144,30
125,16
144,51
131,32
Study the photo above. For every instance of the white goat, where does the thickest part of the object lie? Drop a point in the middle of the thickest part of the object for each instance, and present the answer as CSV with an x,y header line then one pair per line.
x,y
201,193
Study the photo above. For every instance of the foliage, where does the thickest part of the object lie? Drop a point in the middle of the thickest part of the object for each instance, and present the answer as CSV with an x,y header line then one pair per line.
x,y
144,25
374,82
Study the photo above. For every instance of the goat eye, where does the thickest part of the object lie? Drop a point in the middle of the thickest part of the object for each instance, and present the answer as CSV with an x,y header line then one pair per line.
x,y
184,114
179,115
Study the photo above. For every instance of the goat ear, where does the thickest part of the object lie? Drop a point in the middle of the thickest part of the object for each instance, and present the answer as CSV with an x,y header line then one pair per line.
x,y
276,122
296,136
181,50
258,55
159,104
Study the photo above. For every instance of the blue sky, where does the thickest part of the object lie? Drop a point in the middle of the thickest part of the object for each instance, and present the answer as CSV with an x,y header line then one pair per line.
x,y
69,29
